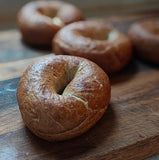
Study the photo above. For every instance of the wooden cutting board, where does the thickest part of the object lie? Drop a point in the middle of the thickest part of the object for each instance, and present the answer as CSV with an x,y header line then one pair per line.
x,y
129,130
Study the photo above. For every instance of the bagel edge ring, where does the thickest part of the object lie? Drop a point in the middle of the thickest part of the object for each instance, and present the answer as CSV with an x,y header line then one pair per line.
x,y
39,21
61,97
145,38
96,41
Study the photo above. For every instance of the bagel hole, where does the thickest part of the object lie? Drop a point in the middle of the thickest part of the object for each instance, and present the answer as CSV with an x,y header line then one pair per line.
x,y
49,12
57,21
71,72
112,35
52,13
96,35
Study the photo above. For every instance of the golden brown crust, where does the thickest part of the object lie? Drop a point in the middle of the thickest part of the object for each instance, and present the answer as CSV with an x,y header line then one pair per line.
x,y
145,38
96,41
35,22
61,97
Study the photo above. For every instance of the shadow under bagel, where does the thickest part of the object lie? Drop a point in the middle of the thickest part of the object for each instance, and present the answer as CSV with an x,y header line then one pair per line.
x,y
126,74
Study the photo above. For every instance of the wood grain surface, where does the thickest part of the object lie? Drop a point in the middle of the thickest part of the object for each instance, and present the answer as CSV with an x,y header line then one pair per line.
x,y
16,68
12,47
129,130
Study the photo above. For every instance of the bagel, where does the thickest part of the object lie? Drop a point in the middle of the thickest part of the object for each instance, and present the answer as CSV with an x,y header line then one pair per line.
x,y
145,38
96,41
39,21
61,97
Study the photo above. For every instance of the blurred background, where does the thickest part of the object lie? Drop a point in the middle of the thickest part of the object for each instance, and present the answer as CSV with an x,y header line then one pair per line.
x,y
15,53
91,8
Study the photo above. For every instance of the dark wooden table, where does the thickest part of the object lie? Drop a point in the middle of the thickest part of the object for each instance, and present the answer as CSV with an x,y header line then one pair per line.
x,y
129,130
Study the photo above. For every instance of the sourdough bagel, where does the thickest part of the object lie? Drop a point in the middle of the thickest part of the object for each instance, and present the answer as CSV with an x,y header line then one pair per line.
x,y
145,38
61,97
96,41
39,21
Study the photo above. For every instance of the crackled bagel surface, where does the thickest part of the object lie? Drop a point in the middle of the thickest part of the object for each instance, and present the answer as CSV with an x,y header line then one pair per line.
x,y
61,97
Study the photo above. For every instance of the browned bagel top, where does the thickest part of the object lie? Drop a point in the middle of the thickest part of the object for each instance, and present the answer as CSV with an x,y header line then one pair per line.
x,y
145,37
60,94
147,29
39,21
89,36
49,12
97,41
